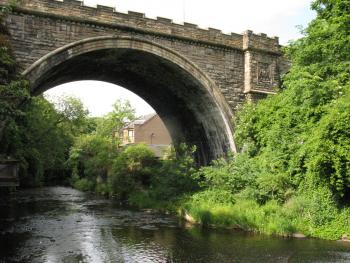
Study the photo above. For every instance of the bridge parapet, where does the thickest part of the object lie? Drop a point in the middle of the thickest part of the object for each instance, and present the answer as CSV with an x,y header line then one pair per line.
x,y
104,16
259,42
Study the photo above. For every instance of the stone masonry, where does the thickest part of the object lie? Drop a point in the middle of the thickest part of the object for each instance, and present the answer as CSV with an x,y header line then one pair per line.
x,y
49,37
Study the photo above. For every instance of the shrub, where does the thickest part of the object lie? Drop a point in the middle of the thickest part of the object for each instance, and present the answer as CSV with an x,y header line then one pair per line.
x,y
175,175
232,174
132,170
91,159
84,185
270,218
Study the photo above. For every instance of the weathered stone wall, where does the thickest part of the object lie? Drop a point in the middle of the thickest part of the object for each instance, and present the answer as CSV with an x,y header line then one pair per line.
x,y
195,78
238,64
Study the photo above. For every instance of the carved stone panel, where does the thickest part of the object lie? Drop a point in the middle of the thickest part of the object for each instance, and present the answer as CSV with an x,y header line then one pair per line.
x,y
264,73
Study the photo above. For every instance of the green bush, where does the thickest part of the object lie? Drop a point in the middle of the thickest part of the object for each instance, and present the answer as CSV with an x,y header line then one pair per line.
x,y
232,174
335,229
91,159
270,218
328,150
84,184
305,128
213,196
175,176
132,170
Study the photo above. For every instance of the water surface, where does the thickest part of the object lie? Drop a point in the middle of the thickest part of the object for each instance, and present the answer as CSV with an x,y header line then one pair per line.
x,y
59,224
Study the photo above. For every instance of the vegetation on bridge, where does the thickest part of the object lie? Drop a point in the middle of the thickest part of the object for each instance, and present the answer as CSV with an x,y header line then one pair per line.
x,y
292,174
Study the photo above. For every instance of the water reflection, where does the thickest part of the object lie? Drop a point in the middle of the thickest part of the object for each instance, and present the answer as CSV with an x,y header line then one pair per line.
x,y
64,225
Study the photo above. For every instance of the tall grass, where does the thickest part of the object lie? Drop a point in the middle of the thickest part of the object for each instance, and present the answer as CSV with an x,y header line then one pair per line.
x,y
243,214
273,218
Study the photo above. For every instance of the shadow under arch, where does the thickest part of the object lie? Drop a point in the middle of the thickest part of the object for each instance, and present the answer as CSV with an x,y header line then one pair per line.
x,y
187,100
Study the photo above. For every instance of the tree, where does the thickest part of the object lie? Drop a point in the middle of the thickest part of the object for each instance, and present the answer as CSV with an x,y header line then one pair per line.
x,y
93,154
13,89
114,121
72,115
41,138
132,170
302,132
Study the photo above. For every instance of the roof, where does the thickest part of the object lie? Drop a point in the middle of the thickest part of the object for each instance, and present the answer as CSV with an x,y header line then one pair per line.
x,y
141,120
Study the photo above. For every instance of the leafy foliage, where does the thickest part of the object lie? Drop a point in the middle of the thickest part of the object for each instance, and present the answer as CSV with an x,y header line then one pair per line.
x,y
97,151
232,174
113,122
91,160
132,170
175,175
295,145
40,139
304,129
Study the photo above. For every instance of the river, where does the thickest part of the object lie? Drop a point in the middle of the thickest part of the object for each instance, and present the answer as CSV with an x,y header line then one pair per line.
x,y
60,224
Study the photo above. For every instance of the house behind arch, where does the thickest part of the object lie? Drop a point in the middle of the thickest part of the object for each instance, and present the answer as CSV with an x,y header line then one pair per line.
x,y
150,130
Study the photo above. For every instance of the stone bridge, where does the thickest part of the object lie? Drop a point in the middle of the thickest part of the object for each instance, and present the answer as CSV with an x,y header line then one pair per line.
x,y
194,78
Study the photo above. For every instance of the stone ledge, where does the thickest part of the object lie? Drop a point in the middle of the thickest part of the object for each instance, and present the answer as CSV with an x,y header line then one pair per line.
x,y
267,92
74,10
97,24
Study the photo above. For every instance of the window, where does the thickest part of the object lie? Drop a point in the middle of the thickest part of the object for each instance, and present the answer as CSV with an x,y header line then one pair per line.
x,y
131,135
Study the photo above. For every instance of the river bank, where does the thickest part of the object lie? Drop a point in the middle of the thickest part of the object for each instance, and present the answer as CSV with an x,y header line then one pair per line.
x,y
272,218
60,224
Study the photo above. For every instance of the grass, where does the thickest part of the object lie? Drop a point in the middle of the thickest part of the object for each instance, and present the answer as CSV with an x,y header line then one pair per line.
x,y
244,214
314,215
271,218
144,199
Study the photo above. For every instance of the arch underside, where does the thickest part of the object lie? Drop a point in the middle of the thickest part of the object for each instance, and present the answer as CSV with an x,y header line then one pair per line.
x,y
187,104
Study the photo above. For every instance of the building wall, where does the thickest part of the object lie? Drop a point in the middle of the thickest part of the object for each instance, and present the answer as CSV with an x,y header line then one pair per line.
x,y
143,133
128,136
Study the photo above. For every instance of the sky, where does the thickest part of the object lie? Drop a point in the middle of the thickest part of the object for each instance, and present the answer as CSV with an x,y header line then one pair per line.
x,y
273,17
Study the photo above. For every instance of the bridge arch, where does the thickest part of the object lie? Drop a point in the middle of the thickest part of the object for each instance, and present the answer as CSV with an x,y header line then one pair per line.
x,y
188,101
